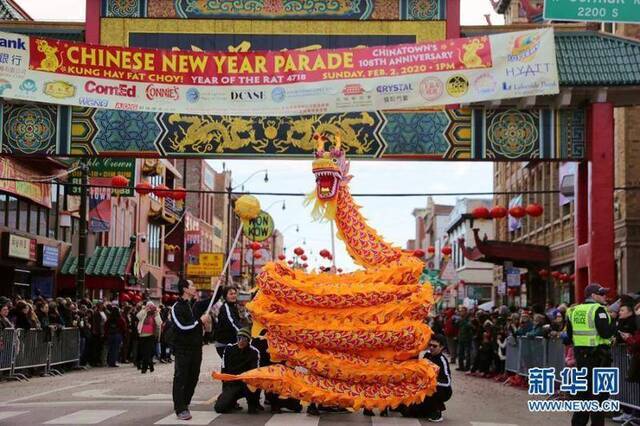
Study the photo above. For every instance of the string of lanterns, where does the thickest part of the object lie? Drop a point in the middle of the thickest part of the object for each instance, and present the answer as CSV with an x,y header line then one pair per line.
x,y
145,188
499,212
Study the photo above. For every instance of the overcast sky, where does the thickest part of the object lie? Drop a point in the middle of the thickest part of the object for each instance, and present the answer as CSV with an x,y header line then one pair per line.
x,y
390,216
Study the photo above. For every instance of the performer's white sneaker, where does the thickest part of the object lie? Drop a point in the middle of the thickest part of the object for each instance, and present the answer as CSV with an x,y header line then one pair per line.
x,y
184,415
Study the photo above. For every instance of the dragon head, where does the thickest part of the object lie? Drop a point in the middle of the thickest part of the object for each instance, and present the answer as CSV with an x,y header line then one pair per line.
x,y
331,170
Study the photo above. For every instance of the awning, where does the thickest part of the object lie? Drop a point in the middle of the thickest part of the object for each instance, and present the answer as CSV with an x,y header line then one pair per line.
x,y
498,252
108,269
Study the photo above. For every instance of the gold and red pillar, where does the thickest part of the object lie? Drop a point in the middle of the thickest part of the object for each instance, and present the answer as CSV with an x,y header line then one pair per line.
x,y
594,236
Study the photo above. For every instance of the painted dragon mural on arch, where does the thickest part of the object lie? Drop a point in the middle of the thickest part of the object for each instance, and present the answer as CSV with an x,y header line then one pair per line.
x,y
349,340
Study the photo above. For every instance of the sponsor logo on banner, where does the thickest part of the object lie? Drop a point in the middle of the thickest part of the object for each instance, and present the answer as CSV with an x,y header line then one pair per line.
x,y
8,43
153,92
485,84
431,88
528,70
353,90
278,94
93,102
394,88
28,86
457,86
524,48
122,89
4,85
247,95
193,95
127,106
59,89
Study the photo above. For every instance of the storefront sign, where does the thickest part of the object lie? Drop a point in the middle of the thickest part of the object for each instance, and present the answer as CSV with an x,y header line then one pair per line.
x,y
50,256
210,265
598,11
21,247
260,228
202,283
101,170
281,83
36,192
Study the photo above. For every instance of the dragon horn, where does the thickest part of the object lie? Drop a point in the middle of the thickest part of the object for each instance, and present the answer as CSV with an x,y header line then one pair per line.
x,y
338,142
320,140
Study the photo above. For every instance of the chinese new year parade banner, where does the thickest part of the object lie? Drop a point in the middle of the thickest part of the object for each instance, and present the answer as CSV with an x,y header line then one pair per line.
x,y
270,83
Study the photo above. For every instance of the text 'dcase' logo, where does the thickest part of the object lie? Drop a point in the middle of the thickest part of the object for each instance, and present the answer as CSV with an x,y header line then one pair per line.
x,y
247,96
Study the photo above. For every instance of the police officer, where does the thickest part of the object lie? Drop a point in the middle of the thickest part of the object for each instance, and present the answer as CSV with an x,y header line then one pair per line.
x,y
590,329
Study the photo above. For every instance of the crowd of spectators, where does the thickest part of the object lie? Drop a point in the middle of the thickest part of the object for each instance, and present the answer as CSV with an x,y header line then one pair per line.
x,y
477,339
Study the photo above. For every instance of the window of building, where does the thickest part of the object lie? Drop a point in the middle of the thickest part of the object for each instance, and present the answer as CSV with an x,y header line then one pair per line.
x,y
3,209
155,181
23,215
153,236
34,210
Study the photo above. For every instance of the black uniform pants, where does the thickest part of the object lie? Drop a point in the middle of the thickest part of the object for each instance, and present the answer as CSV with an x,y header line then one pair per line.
x,y
147,348
430,405
231,393
185,376
590,358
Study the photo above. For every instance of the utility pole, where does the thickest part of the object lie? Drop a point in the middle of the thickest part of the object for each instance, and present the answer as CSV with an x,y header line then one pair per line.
x,y
184,229
228,250
82,236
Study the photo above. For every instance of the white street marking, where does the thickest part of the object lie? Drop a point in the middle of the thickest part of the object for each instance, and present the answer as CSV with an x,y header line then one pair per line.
x,y
35,395
157,396
491,424
199,418
288,419
85,417
8,414
394,421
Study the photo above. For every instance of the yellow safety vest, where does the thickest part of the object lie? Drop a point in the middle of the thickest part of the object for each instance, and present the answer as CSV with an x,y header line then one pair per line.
x,y
583,323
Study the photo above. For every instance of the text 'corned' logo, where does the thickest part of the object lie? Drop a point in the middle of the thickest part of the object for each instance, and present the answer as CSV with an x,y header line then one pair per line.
x,y
122,89
154,92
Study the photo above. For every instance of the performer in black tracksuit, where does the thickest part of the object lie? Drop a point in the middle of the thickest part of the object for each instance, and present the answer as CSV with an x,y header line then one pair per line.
x,y
433,406
229,322
188,321
237,359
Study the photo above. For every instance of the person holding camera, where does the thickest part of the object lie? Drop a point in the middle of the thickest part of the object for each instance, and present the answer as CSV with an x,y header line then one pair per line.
x,y
188,327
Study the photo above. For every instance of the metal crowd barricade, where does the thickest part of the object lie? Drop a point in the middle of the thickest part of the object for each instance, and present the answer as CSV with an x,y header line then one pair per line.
x,y
65,348
629,394
7,344
533,353
555,355
513,355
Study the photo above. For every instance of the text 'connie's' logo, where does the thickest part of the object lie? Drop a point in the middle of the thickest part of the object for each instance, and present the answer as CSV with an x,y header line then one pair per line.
x,y
13,44
111,90
247,96
153,92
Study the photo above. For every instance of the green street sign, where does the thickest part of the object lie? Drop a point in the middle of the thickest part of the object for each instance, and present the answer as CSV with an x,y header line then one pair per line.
x,y
260,228
592,10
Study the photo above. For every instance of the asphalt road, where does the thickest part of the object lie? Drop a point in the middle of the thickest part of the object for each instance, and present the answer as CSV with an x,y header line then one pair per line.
x,y
124,396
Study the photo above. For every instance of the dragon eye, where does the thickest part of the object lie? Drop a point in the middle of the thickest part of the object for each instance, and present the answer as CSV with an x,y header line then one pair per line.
x,y
335,160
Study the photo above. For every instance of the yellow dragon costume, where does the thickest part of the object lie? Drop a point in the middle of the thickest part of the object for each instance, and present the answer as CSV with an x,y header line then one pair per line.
x,y
349,340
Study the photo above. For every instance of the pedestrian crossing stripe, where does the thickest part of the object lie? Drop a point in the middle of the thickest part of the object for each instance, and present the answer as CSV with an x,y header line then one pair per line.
x,y
298,419
198,418
85,417
394,421
8,414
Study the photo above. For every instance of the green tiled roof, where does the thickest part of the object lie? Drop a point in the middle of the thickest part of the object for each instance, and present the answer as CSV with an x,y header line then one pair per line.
x,y
589,58
105,262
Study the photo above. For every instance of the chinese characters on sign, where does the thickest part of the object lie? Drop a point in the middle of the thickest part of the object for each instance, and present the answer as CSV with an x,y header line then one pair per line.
x,y
21,247
574,380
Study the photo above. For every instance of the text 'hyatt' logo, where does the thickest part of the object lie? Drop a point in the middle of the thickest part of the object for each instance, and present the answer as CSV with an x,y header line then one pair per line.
x,y
247,96
154,92
13,44
528,70
116,90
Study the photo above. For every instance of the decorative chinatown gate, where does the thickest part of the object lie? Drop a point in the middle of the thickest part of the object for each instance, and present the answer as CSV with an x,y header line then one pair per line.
x,y
575,125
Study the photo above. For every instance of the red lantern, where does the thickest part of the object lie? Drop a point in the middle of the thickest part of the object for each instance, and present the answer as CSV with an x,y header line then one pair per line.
x,y
481,213
498,212
324,253
298,251
534,210
518,212
418,253
340,270
124,297
305,265
556,274
304,257
257,255
179,194
144,188
119,181
329,256
255,246
162,191
290,262
446,250
282,257
431,250
543,273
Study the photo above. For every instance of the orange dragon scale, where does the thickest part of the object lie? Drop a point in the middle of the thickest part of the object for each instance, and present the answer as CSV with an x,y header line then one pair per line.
x,y
350,340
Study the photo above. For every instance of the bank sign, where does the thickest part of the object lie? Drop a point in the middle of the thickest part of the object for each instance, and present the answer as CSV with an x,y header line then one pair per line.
x,y
598,11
